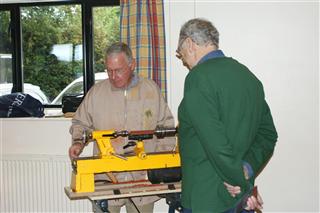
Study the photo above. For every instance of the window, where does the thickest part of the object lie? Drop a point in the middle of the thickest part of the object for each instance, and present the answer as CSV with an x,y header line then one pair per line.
x,y
59,46
5,54
51,46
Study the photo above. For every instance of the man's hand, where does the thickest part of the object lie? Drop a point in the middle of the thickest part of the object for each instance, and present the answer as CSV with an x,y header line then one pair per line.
x,y
75,150
233,190
254,202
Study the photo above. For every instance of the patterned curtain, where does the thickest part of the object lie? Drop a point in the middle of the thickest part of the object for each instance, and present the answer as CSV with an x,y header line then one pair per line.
x,y
142,28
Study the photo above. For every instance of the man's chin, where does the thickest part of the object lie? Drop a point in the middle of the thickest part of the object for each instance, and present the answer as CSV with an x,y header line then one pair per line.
x,y
119,86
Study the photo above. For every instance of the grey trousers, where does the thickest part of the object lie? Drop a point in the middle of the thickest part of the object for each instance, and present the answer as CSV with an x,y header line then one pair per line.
x,y
130,208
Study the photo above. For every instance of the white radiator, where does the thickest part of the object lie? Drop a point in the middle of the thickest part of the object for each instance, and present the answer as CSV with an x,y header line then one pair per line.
x,y
34,183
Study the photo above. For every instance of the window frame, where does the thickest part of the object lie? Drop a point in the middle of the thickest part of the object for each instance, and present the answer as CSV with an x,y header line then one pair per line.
x,y
87,39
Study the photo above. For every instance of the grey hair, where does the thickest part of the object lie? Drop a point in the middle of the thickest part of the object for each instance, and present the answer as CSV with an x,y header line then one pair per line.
x,y
201,31
119,47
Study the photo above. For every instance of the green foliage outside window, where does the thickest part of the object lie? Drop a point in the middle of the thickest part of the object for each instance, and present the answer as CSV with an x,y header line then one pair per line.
x,y
5,48
5,44
42,28
106,22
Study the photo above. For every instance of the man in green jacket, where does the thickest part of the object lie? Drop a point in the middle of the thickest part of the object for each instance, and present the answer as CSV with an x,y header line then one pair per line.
x,y
226,131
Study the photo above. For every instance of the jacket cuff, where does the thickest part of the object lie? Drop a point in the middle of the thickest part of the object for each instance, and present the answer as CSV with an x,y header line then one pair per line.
x,y
248,168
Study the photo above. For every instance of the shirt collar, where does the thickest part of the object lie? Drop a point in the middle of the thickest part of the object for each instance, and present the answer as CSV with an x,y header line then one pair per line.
x,y
211,55
134,80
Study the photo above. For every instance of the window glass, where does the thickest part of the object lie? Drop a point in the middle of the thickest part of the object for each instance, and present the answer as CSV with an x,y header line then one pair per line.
x,y
52,47
76,87
5,54
106,30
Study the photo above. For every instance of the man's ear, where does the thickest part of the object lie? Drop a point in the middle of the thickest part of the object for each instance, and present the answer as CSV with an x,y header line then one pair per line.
x,y
188,42
190,45
133,64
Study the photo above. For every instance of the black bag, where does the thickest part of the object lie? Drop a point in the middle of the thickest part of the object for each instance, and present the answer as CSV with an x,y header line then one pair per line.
x,y
20,105
70,103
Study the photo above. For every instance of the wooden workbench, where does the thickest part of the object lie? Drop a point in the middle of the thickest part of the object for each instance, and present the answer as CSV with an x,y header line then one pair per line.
x,y
124,190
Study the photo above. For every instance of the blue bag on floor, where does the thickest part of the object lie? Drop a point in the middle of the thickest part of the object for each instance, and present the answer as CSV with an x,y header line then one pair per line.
x,y
20,105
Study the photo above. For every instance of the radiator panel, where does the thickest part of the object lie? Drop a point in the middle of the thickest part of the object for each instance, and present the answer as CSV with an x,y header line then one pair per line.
x,y
35,183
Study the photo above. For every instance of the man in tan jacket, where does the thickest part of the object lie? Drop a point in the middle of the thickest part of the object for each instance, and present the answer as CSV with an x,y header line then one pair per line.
x,y
125,101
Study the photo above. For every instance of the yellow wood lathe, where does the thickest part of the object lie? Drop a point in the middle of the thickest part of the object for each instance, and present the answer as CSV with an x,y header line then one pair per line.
x,y
108,161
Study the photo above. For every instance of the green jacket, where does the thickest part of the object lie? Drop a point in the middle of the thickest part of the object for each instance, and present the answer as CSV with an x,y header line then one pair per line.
x,y
223,121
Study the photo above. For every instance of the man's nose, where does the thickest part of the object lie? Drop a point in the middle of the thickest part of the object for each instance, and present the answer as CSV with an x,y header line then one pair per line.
x,y
111,75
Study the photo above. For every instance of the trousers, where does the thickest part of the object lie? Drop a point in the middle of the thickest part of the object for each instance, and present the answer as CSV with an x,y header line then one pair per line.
x,y
132,208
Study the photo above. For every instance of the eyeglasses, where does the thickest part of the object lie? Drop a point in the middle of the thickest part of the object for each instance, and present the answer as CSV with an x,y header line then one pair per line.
x,y
178,51
118,72
180,44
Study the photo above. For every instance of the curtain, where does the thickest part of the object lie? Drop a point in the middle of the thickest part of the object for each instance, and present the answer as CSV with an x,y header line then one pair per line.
x,y
142,28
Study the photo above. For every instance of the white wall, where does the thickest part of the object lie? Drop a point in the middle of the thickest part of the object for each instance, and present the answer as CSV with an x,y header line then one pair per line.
x,y
279,42
35,166
29,136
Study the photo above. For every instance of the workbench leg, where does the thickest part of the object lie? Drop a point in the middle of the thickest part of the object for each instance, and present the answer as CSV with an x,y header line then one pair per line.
x,y
174,202
171,209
